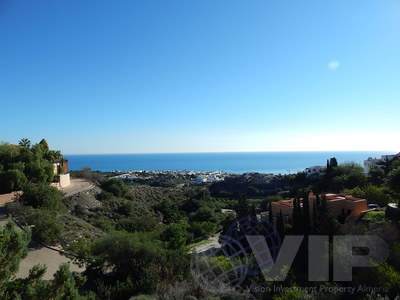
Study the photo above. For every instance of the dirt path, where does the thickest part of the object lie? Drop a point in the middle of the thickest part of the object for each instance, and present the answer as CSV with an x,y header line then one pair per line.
x,y
77,186
37,254
211,243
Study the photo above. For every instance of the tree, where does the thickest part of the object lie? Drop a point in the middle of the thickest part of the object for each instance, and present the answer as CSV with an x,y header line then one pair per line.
x,y
297,218
333,162
202,230
26,143
242,207
306,215
116,186
371,193
53,155
169,210
326,223
13,248
376,176
315,226
65,285
280,226
47,228
253,212
393,181
44,145
135,260
270,215
12,180
176,235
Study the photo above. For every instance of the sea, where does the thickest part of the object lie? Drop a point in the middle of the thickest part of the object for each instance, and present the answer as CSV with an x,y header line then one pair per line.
x,y
232,162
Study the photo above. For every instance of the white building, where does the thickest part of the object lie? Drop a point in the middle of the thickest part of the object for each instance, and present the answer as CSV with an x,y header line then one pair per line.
x,y
378,162
315,170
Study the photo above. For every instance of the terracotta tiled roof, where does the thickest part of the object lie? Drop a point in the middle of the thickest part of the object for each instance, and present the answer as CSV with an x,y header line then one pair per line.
x,y
285,203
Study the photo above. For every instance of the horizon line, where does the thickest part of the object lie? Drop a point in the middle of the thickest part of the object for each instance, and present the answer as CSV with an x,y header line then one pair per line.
x,y
217,152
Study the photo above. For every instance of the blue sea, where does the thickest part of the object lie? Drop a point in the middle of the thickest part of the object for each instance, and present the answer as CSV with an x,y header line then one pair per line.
x,y
233,162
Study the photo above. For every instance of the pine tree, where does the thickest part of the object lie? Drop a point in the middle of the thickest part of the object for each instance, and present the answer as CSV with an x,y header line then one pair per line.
x,y
280,226
270,216
315,226
243,207
306,215
327,224
297,217
253,211
333,162
14,247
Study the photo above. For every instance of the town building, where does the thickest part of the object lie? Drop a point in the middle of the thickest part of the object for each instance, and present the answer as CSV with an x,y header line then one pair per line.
x,y
344,207
313,171
378,162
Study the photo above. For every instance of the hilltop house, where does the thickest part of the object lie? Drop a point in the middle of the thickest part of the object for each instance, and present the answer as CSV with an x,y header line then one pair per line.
x,y
345,207
378,162
61,170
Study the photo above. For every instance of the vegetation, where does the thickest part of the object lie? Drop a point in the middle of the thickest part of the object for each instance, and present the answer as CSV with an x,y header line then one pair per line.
x,y
134,238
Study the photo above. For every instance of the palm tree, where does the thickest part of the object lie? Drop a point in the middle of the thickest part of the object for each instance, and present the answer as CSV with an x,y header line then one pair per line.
x,y
25,143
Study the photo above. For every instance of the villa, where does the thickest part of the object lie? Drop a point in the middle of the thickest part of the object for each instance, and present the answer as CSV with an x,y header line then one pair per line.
x,y
345,207
61,170
378,162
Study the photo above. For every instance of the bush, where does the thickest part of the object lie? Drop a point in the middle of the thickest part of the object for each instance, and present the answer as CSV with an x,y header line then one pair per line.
x,y
42,196
203,229
13,180
176,235
373,219
117,187
103,224
46,228
139,224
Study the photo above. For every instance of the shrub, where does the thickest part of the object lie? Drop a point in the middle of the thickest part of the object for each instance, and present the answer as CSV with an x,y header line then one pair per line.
x,y
42,196
13,180
115,186
46,227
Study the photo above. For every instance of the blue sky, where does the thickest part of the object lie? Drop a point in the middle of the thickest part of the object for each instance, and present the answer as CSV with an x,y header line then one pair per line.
x,y
200,76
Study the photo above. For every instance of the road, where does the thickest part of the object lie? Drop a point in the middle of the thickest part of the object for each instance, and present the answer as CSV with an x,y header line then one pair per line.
x,y
77,186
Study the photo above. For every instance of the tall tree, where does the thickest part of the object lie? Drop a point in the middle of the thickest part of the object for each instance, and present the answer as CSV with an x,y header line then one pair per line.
x,y
306,214
280,226
315,226
270,215
13,248
25,143
243,207
253,212
44,145
333,162
297,217
327,223
393,181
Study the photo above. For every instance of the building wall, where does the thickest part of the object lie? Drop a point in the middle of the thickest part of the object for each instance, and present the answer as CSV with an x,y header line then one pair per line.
x,y
337,207
65,165
64,180
55,168
286,210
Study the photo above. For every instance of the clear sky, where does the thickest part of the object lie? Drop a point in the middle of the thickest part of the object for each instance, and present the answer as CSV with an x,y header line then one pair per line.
x,y
200,75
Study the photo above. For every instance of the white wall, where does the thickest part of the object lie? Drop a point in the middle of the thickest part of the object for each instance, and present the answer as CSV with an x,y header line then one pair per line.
x,y
64,180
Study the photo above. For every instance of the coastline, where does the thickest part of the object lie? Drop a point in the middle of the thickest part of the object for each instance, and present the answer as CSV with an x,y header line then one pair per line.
x,y
229,162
